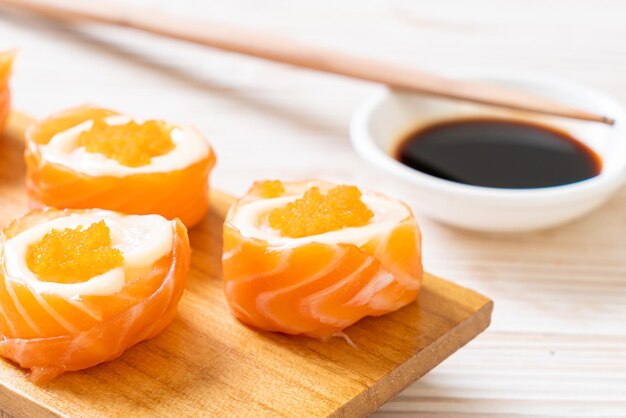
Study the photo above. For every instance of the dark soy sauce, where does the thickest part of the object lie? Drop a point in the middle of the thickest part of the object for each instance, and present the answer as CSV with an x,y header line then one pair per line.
x,y
498,153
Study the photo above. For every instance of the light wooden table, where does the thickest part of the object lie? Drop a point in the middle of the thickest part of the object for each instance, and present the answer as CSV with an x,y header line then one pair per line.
x,y
557,345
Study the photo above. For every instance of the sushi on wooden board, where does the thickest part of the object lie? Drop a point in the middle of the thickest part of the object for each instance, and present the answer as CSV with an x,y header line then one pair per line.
x,y
82,158
313,258
79,287
208,362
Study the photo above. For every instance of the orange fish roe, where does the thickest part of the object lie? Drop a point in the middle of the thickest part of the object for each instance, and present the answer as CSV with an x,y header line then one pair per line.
x,y
316,213
74,255
270,188
131,144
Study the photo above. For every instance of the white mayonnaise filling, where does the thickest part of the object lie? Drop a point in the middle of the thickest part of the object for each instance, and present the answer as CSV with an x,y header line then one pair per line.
x,y
63,150
142,239
250,220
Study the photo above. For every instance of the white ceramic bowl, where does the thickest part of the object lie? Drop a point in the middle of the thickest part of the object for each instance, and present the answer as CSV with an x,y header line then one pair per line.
x,y
382,121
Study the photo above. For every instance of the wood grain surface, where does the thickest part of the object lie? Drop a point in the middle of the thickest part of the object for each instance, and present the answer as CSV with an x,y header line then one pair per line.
x,y
556,344
207,363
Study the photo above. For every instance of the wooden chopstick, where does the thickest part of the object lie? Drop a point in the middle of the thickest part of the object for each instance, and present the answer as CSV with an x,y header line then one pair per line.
x,y
281,49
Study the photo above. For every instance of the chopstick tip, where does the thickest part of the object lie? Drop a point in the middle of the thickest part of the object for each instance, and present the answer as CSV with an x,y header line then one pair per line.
x,y
608,121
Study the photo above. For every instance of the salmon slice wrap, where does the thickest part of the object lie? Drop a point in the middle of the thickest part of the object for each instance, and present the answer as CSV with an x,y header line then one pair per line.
x,y
79,287
313,258
89,157
6,63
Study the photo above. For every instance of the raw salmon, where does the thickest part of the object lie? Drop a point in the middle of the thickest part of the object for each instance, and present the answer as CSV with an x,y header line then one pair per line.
x,y
6,62
66,322
173,193
318,284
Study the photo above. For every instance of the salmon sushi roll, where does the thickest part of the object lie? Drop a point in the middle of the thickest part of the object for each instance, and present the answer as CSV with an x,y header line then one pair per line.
x,y
6,63
313,258
88,157
79,287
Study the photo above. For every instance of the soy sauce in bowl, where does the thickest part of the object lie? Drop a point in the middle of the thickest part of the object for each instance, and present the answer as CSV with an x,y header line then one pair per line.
x,y
498,153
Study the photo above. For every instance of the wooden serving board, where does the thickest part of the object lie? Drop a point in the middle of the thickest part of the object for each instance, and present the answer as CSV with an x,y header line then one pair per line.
x,y
208,364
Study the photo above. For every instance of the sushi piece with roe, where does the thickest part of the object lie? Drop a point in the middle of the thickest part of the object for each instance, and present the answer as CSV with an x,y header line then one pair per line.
x,y
313,258
79,287
6,63
89,157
